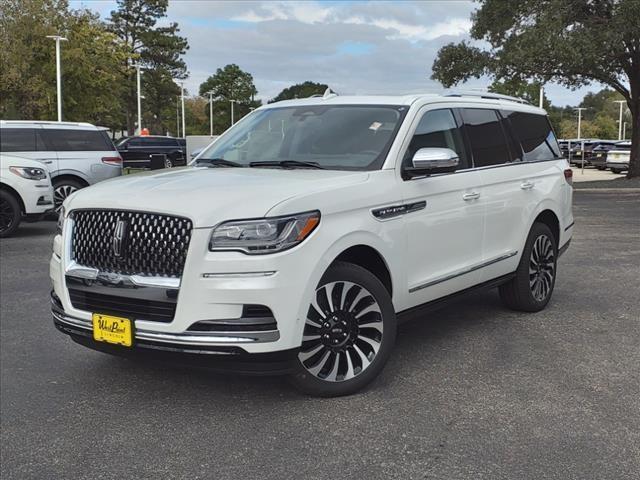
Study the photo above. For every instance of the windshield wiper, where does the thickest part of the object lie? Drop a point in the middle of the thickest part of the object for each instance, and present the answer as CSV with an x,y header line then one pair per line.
x,y
218,162
286,164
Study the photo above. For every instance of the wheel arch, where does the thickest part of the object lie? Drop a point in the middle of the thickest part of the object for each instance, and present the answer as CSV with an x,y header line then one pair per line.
x,y
551,220
370,259
70,176
12,191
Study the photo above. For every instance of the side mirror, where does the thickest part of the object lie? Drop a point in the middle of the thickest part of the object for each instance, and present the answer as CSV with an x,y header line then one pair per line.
x,y
431,160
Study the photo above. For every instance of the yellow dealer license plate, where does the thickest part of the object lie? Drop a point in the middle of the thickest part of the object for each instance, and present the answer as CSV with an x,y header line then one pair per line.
x,y
112,329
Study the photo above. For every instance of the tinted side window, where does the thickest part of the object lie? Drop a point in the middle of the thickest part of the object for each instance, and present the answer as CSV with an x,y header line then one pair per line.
x,y
438,128
535,135
63,140
488,143
18,140
160,142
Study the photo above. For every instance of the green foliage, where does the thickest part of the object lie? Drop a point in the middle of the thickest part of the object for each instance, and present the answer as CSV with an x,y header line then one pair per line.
x,y
572,43
300,90
230,83
159,49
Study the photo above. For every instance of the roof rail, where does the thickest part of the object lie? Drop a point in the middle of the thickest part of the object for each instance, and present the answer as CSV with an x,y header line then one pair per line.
x,y
485,94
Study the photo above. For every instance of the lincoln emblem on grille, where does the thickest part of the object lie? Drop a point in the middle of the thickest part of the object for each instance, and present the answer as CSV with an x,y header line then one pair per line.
x,y
119,238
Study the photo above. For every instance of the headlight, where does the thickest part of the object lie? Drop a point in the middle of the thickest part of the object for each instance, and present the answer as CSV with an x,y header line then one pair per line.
x,y
29,172
60,221
265,235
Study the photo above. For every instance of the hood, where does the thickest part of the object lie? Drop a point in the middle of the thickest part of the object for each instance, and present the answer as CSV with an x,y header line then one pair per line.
x,y
210,195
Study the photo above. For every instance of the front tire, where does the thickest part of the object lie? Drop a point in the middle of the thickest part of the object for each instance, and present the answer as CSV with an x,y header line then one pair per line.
x,y
349,333
530,290
10,214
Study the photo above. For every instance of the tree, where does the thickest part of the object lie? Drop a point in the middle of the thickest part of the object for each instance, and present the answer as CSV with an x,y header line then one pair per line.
x,y
229,83
300,90
573,43
158,48
90,63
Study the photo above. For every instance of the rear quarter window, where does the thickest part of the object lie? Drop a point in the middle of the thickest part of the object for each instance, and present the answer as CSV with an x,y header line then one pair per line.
x,y
535,134
67,140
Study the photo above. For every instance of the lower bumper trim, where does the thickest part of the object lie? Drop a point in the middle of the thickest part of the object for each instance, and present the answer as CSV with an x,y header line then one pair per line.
x,y
221,359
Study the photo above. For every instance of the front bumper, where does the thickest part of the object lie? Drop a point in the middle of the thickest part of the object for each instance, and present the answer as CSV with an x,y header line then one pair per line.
x,y
191,352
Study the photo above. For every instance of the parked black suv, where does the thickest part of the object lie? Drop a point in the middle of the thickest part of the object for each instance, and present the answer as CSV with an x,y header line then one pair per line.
x,y
136,151
598,156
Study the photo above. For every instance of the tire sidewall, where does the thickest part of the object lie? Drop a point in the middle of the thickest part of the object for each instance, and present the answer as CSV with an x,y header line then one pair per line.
x,y
17,213
537,230
341,271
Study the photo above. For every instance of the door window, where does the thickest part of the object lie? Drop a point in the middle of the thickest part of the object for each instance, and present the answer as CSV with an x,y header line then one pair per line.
x,y
535,135
63,140
487,139
437,128
18,140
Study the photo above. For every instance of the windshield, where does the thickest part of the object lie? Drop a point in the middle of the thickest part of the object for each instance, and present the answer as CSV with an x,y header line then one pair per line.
x,y
342,137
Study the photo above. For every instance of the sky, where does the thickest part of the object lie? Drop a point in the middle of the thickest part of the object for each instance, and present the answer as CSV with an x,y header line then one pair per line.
x,y
356,47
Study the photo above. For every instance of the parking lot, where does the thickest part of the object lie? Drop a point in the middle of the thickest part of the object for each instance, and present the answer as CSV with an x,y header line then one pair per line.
x,y
472,391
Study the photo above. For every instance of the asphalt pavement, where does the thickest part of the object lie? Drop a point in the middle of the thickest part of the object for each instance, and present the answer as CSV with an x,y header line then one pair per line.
x,y
472,391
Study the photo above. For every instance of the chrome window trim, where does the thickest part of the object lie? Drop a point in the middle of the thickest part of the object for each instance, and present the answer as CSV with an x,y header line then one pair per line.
x,y
463,271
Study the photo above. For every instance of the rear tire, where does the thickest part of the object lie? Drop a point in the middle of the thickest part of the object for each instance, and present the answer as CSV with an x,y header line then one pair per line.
x,y
349,333
530,290
10,214
616,170
62,188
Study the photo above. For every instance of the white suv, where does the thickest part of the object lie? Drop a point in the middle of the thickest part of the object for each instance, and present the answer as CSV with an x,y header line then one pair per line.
x,y
76,154
293,242
25,192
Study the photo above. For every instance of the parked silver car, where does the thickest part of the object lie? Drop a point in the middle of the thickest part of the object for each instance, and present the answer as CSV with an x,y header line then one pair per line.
x,y
76,154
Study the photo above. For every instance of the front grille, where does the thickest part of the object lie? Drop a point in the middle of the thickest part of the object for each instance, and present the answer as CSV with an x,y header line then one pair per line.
x,y
134,308
152,244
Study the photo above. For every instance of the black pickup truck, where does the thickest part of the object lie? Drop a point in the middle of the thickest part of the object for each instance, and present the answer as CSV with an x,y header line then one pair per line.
x,y
137,151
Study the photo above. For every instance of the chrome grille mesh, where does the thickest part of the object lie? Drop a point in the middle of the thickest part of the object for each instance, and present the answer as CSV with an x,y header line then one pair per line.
x,y
154,244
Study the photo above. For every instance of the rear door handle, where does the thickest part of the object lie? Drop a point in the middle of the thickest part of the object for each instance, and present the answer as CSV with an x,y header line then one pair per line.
x,y
470,196
527,185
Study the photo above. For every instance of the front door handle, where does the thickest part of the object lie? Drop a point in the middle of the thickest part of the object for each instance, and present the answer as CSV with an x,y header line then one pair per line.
x,y
470,196
527,185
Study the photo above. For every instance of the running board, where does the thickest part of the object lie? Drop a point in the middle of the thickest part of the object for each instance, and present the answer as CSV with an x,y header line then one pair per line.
x,y
439,303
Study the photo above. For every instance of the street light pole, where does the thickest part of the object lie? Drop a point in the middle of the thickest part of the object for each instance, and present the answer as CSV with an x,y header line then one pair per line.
x,y
541,96
137,66
579,109
621,102
210,113
177,116
232,118
624,130
184,131
58,39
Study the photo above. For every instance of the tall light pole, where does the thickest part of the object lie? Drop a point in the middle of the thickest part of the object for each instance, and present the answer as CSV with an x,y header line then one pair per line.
x,y
138,67
541,95
624,130
177,116
579,109
621,102
184,131
232,118
210,92
58,39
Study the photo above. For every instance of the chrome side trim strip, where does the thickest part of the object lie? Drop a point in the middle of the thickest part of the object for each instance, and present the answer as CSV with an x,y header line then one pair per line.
x,y
88,273
463,271
182,338
239,274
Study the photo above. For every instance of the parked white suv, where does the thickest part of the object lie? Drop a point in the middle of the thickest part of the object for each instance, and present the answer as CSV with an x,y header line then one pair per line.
x,y
25,192
76,154
295,239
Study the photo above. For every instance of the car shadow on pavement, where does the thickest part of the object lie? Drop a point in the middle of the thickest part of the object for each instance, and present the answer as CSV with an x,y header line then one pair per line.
x,y
418,336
